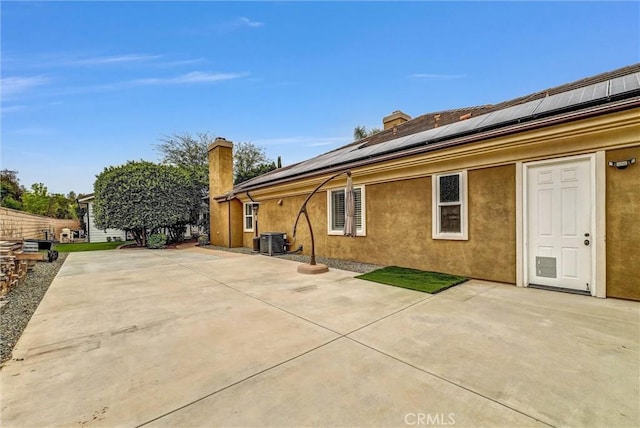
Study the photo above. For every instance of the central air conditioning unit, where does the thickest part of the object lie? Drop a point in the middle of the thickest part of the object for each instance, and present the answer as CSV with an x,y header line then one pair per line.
x,y
273,243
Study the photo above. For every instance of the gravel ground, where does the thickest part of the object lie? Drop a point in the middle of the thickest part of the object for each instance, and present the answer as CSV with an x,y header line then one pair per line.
x,y
332,263
22,301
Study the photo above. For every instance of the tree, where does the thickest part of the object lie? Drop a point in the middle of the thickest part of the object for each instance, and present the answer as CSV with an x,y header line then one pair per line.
x,y
36,200
141,197
250,161
11,190
191,154
187,152
361,131
61,206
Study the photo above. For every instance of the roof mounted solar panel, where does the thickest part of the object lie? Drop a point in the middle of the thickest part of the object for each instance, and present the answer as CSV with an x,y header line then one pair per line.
x,y
364,151
622,84
433,134
511,114
597,93
387,146
573,98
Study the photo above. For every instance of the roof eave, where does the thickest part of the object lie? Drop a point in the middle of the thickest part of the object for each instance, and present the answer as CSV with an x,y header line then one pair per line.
x,y
457,140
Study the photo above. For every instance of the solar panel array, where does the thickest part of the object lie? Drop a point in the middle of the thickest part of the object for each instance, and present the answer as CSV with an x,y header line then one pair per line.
x,y
587,95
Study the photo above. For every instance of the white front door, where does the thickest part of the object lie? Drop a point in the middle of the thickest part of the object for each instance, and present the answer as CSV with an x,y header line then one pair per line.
x,y
559,231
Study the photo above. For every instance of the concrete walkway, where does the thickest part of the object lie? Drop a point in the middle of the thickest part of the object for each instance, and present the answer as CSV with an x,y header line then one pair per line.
x,y
197,337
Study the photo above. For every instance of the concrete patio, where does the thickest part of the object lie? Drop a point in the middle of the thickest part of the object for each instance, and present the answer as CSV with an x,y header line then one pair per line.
x,y
197,337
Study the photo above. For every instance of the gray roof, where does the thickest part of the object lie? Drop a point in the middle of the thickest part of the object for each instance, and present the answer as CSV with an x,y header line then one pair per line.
x,y
611,90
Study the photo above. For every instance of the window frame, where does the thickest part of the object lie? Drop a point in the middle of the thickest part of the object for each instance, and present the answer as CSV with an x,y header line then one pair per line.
x,y
362,230
245,216
463,235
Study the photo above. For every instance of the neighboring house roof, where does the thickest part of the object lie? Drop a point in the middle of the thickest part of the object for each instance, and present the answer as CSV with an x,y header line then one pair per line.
x,y
87,198
617,89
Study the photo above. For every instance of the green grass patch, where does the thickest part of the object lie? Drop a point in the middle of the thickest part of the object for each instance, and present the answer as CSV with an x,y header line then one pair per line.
x,y
413,279
88,246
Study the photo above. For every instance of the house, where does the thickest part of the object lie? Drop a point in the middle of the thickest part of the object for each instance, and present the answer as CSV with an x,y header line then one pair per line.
x,y
94,233
540,191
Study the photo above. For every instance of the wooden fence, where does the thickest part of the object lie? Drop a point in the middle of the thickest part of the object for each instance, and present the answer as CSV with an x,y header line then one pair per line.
x,y
18,224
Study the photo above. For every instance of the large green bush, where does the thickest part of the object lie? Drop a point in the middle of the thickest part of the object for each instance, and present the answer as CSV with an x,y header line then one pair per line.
x,y
141,196
157,240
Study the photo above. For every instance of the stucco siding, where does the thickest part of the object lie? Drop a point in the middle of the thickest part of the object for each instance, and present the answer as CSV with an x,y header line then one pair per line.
x,y
274,217
398,227
398,204
623,226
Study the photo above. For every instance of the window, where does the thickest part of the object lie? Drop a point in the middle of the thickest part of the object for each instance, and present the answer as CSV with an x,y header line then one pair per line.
x,y
248,218
449,206
336,211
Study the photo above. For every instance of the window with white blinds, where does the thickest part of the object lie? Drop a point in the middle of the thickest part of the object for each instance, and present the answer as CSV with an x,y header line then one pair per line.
x,y
336,208
248,218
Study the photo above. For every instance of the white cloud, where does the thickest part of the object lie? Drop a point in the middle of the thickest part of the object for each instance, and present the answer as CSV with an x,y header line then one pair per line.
x,y
189,78
179,63
435,76
69,59
13,108
228,26
20,84
250,23
193,78
107,60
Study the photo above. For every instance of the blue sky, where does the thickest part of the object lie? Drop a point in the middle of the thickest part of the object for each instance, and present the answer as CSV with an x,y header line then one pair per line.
x,y
86,85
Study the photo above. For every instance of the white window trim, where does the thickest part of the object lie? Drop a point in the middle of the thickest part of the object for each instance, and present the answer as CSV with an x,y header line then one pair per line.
x,y
435,216
362,231
245,216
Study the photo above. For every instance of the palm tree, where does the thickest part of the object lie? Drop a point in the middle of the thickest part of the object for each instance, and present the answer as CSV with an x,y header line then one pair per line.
x,y
360,132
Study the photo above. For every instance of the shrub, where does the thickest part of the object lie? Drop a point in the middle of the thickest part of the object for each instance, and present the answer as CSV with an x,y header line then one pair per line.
x,y
203,240
157,240
108,239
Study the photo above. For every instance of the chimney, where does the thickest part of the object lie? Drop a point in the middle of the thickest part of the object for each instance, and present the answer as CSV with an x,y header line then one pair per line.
x,y
220,182
394,119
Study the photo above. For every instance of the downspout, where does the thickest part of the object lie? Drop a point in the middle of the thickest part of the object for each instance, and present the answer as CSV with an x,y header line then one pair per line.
x,y
229,220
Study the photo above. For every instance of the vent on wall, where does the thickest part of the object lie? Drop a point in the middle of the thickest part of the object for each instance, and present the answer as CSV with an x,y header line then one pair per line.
x,y
272,243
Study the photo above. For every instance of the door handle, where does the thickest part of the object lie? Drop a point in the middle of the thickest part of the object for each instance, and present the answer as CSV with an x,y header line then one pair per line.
x,y
586,242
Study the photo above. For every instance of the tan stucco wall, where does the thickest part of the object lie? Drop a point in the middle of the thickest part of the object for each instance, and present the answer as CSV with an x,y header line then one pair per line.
x,y
623,226
490,252
236,223
398,223
220,181
274,217
395,215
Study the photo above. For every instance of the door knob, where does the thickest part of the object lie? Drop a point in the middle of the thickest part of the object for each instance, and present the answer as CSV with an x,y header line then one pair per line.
x,y
586,242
